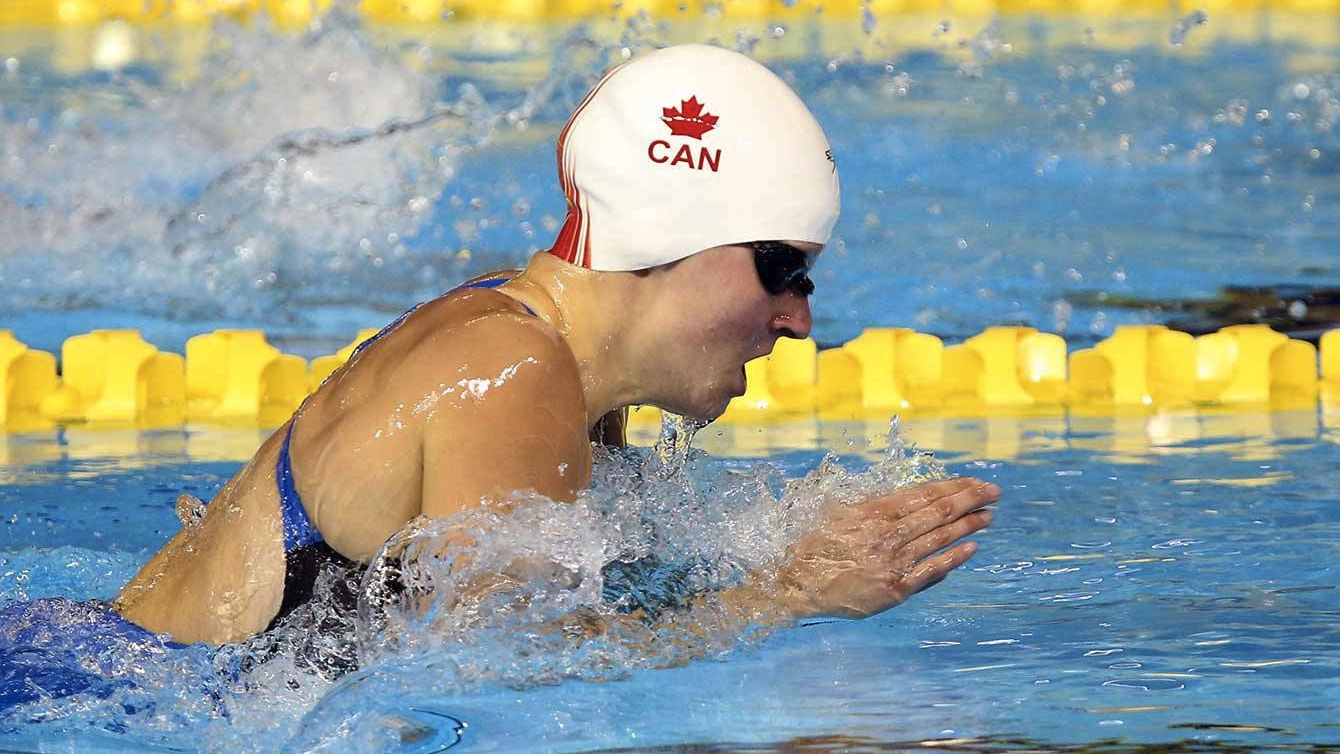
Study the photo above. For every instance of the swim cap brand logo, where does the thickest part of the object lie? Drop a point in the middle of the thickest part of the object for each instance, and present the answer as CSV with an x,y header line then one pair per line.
x,y
689,120
692,120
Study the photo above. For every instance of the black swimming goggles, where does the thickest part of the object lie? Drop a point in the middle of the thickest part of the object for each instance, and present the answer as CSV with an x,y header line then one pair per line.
x,y
781,266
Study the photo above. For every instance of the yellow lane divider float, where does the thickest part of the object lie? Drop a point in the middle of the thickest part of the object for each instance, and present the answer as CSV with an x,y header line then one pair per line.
x,y
237,377
292,12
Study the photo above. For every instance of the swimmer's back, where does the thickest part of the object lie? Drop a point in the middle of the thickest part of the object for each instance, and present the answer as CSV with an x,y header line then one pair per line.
x,y
375,439
369,447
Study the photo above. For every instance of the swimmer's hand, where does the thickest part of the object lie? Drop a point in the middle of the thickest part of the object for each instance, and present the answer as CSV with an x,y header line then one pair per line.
x,y
869,557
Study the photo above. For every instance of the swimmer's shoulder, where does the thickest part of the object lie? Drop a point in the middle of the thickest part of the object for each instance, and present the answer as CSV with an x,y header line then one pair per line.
x,y
468,303
473,328
466,330
485,313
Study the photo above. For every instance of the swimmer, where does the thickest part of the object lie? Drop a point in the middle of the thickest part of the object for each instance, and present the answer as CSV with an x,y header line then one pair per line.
x,y
700,193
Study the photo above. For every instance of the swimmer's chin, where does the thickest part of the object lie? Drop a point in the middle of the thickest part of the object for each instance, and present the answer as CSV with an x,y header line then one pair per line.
x,y
735,391
702,414
721,396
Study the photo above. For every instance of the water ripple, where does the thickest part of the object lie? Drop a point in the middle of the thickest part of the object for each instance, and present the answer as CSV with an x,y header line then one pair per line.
x,y
1147,684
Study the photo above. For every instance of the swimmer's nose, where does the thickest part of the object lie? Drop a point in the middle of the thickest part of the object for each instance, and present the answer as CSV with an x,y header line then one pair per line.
x,y
793,320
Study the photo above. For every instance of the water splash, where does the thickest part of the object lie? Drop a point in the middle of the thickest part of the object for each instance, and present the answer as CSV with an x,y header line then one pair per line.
x,y
275,171
521,593
673,446
162,142
530,580
125,678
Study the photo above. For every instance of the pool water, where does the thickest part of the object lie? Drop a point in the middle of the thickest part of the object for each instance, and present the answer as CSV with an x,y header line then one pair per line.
x,y
1184,593
1070,174
1151,581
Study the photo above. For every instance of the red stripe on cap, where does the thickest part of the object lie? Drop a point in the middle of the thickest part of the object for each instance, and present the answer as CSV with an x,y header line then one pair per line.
x,y
565,245
573,243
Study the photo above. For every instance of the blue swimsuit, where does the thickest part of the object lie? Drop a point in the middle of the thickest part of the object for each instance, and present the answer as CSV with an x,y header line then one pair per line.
x,y
306,553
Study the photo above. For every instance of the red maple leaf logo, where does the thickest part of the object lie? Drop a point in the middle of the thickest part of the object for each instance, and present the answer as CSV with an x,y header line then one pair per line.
x,y
689,119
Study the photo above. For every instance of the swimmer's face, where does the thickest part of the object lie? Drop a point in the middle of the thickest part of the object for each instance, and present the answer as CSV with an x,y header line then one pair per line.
x,y
731,304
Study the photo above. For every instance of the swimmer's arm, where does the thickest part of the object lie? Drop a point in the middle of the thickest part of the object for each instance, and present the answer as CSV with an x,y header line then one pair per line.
x,y
515,421
863,559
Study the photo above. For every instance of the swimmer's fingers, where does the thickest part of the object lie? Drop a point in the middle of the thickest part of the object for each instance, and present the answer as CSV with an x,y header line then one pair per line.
x,y
927,568
932,571
931,509
921,548
904,501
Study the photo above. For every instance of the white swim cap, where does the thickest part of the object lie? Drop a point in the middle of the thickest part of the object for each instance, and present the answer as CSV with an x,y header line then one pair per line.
x,y
688,148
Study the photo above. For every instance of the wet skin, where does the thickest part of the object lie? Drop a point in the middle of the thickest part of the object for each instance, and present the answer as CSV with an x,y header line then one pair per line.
x,y
472,398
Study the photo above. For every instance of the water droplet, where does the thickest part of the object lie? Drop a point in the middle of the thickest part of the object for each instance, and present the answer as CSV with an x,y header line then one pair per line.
x,y
1184,26
190,511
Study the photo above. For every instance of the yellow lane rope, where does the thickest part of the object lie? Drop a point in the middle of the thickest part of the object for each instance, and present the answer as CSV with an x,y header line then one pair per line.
x,y
114,376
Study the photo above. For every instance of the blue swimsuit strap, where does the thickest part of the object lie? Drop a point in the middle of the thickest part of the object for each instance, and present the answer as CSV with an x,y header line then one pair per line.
x,y
492,283
298,528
